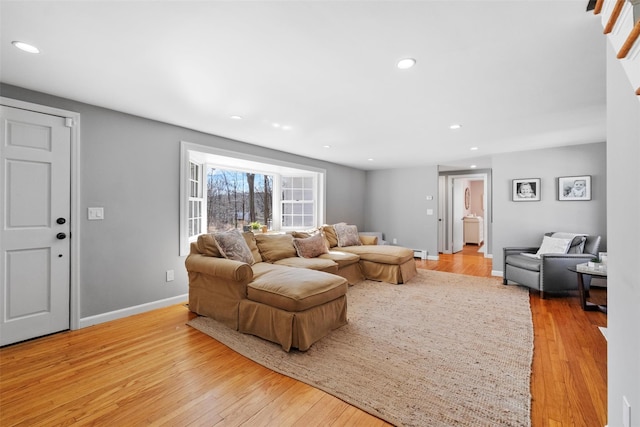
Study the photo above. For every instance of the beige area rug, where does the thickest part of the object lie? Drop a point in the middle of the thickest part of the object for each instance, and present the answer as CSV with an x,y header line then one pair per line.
x,y
442,350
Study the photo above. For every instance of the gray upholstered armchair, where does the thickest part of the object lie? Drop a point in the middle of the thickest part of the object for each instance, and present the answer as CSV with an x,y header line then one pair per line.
x,y
549,272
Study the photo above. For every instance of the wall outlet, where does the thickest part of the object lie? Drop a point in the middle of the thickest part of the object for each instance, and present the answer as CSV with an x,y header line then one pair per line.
x,y
170,276
626,412
395,241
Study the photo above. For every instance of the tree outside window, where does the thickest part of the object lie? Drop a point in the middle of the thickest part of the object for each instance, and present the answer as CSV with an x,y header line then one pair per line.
x,y
236,199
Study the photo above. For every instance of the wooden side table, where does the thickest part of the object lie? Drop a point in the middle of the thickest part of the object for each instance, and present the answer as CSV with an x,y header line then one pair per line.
x,y
582,270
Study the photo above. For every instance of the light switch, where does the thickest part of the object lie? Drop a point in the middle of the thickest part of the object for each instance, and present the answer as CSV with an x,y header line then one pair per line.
x,y
95,214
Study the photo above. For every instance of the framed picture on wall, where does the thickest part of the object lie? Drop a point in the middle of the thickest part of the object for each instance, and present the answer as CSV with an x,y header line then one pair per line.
x,y
574,187
525,190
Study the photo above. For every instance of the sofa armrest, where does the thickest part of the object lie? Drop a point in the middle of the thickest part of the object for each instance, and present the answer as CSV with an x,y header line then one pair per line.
x,y
566,260
555,274
219,267
518,250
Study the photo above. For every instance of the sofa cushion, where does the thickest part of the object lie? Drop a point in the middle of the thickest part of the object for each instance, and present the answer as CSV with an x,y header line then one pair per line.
x,y
319,264
523,261
347,235
368,240
329,232
274,247
310,247
383,254
207,245
232,245
343,259
577,245
296,289
250,238
305,233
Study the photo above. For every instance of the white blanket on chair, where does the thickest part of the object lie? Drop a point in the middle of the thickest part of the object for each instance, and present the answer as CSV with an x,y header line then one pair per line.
x,y
563,235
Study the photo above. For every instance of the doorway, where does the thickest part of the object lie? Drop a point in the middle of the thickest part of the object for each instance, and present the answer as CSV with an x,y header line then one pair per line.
x,y
36,205
464,195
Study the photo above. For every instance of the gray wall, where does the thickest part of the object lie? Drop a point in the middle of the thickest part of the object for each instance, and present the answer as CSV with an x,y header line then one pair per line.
x,y
623,205
130,166
396,204
524,223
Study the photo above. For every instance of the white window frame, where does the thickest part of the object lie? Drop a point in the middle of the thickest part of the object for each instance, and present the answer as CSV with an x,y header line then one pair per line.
x,y
199,197
225,159
301,202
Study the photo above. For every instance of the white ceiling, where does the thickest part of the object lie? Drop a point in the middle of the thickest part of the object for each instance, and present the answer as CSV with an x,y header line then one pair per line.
x,y
518,75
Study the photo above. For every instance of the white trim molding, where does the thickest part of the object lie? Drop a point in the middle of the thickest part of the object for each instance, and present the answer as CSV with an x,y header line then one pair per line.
x,y
130,311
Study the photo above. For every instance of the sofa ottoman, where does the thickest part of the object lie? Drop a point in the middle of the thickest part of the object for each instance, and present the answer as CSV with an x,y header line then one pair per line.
x,y
391,264
294,307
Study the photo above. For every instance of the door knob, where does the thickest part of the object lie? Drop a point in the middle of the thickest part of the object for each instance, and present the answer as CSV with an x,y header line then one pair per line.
x,y
61,236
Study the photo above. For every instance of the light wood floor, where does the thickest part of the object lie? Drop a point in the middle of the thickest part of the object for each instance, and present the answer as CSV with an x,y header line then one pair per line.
x,y
152,369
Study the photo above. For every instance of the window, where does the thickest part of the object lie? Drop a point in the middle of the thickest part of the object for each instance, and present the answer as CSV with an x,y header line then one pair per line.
x,y
235,199
241,189
298,200
196,200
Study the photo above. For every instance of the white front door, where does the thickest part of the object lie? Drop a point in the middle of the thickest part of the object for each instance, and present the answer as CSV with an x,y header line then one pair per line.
x,y
35,193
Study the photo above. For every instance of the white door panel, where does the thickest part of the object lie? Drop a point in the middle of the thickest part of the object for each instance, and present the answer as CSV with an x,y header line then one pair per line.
x,y
35,214
458,238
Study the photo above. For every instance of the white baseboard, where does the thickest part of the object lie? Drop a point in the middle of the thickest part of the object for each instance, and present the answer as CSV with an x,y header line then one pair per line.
x,y
433,257
604,332
130,311
498,273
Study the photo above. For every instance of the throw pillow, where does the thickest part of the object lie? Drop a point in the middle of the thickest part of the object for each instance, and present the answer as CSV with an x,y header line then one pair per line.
x,y
274,247
553,245
232,245
347,235
310,247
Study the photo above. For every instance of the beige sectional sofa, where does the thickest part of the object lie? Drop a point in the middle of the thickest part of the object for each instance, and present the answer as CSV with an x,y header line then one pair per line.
x,y
287,288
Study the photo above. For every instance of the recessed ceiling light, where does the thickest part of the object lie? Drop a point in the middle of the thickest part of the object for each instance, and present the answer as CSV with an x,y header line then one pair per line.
x,y
276,125
25,47
326,146
473,148
455,126
286,127
405,63
473,166
236,117
371,160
